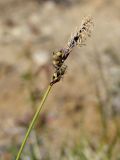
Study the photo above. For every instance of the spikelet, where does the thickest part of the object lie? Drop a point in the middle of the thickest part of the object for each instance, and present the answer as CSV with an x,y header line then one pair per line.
x,y
81,34
58,74
77,39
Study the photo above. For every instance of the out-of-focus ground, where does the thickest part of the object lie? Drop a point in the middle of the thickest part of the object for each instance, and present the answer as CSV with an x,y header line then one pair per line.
x,y
80,119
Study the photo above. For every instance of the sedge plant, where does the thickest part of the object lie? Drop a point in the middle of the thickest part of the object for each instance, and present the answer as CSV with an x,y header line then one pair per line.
x,y
59,57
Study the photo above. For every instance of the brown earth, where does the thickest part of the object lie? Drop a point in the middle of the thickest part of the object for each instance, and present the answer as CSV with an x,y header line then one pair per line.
x,y
29,27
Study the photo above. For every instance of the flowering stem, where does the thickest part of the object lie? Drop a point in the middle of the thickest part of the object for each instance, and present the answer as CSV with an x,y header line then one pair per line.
x,y
33,122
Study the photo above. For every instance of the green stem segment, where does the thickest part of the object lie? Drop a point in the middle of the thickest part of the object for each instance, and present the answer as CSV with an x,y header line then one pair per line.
x,y
33,122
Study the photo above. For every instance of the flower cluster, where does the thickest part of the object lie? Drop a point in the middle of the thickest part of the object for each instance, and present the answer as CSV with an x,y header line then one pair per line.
x,y
77,39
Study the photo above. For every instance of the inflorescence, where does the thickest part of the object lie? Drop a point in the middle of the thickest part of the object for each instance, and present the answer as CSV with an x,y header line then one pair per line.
x,y
77,39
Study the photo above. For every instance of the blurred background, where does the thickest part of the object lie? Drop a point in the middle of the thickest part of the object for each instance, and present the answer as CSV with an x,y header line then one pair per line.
x,y
81,118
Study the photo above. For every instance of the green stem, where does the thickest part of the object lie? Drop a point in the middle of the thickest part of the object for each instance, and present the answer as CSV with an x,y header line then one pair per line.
x,y
33,122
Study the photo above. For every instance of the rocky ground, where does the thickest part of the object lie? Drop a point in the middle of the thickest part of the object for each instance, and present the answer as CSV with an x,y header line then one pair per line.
x,y
29,32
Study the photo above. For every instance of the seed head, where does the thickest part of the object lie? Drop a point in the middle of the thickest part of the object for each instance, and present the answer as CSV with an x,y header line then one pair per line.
x,y
77,39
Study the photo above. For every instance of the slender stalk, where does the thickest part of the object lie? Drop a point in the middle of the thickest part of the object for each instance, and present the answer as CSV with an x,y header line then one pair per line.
x,y
59,57
33,122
